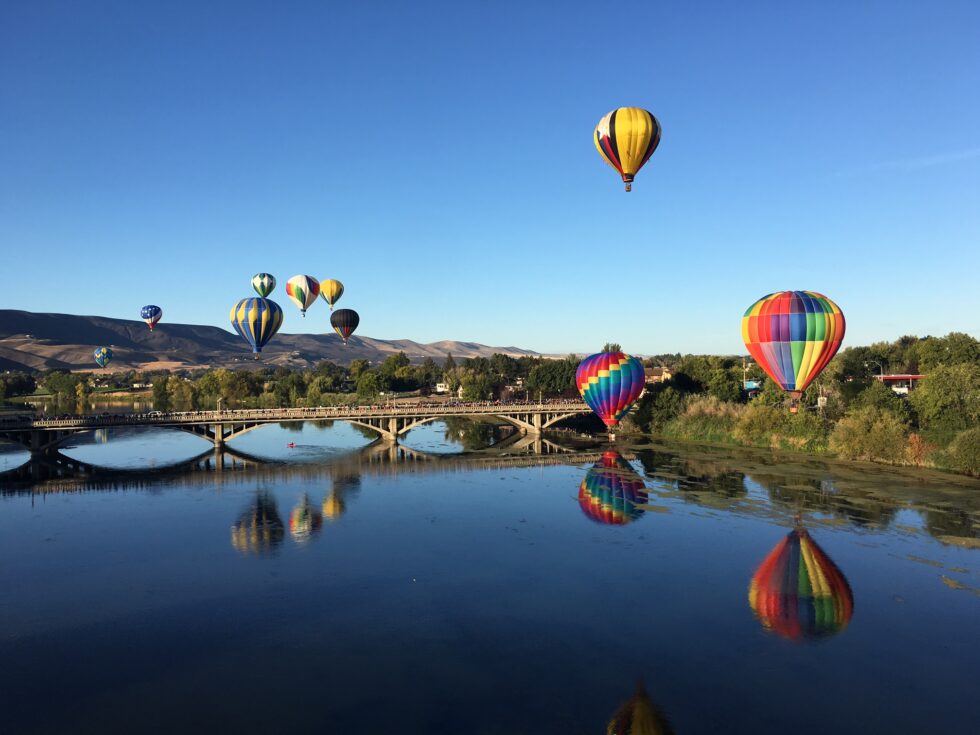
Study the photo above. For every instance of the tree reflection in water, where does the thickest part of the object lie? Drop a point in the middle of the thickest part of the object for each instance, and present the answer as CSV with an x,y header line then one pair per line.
x,y
639,716
259,529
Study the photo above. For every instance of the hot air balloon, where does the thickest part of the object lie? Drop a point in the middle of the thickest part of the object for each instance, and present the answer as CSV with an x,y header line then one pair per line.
x,y
103,356
259,529
263,283
638,716
303,291
151,315
610,382
344,322
626,138
331,291
256,321
793,335
304,520
611,491
798,592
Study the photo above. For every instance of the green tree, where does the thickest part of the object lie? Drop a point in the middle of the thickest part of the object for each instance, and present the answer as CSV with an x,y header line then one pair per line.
x,y
611,347
870,433
725,385
357,367
370,384
161,396
949,397
449,364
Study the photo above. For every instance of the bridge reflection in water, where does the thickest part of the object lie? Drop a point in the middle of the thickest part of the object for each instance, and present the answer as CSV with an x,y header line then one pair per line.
x,y
54,471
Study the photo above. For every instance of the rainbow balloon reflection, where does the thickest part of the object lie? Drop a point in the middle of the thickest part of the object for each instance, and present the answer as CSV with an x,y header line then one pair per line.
x,y
611,491
798,592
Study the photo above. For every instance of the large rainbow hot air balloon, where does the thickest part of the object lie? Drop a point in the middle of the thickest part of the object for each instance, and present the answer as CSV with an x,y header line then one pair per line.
x,y
626,138
610,382
793,335
263,283
151,315
611,491
344,322
638,716
103,356
331,290
303,290
798,592
256,320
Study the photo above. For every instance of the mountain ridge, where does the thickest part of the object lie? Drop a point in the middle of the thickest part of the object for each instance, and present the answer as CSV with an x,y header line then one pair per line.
x,y
43,341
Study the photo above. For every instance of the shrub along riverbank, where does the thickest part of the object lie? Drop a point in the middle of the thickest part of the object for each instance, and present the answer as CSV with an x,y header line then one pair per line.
x,y
936,425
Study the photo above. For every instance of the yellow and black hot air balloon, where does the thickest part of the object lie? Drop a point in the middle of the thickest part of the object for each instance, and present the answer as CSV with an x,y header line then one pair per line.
x,y
626,138
639,716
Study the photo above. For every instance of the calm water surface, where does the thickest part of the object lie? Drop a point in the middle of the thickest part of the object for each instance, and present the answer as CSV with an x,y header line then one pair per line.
x,y
338,587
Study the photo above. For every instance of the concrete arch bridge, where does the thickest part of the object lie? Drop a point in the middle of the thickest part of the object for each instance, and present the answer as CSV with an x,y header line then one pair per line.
x,y
42,435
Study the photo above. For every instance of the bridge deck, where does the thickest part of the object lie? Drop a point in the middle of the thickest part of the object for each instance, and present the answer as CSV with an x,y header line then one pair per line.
x,y
274,415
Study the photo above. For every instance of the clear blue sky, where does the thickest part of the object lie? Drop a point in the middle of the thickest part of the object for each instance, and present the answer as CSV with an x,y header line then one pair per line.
x,y
437,158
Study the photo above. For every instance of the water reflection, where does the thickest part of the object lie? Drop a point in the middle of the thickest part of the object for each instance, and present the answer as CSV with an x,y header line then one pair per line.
x,y
335,501
611,492
798,592
259,529
639,716
305,520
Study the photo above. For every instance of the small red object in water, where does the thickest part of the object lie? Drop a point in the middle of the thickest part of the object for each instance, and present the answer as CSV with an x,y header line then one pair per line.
x,y
291,445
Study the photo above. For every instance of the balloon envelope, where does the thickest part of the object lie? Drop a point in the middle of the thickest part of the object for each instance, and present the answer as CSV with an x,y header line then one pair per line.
x,y
610,382
611,491
263,283
303,290
151,314
103,356
331,291
638,716
626,138
344,322
304,520
793,335
798,592
256,320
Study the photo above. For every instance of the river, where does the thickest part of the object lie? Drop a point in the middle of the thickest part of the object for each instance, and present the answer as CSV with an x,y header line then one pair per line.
x,y
452,585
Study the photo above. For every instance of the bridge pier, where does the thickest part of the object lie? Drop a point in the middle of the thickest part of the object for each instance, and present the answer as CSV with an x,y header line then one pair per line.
x,y
219,436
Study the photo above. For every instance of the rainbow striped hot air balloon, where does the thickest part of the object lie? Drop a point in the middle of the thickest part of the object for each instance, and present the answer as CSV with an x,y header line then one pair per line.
x,y
304,520
798,592
610,382
793,335
611,491
256,320
626,138
302,291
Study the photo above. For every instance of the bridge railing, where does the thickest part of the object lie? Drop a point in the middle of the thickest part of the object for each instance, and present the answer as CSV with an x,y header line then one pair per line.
x,y
270,415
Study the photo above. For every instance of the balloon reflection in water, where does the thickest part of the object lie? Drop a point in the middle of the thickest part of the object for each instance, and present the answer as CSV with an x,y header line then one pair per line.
x,y
335,502
259,529
304,520
611,491
798,592
638,716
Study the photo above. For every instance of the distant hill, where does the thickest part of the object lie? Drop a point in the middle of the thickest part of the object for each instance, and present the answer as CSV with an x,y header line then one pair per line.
x,y
30,341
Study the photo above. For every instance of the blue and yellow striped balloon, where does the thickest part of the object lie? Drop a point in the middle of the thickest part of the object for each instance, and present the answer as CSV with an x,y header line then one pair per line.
x,y
256,320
